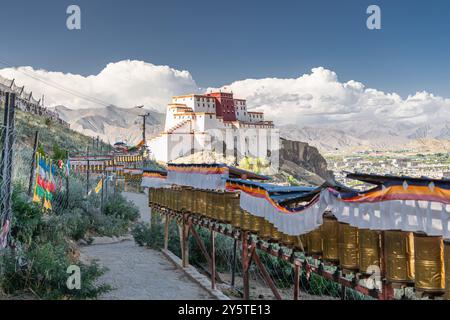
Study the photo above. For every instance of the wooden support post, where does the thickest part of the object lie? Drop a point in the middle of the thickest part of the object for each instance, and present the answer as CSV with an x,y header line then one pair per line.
x,y
245,265
166,232
202,247
296,279
213,259
266,276
184,235
343,292
233,270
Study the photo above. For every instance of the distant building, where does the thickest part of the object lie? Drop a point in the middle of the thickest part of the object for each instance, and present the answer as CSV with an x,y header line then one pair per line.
x,y
213,121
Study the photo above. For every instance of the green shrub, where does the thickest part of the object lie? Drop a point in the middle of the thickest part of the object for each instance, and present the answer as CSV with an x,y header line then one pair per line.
x,y
149,236
41,252
45,275
121,208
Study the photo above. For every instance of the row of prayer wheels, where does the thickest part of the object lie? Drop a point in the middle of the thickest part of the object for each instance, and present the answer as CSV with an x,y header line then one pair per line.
x,y
411,258
223,207
93,168
128,159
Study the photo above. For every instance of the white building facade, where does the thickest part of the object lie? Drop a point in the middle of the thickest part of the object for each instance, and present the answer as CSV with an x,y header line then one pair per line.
x,y
214,122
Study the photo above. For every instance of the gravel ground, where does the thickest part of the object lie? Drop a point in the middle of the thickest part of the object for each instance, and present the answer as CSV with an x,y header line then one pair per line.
x,y
140,273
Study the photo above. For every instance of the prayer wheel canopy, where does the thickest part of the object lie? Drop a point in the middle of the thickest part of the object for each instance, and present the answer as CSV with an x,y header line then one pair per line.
x,y
429,263
399,248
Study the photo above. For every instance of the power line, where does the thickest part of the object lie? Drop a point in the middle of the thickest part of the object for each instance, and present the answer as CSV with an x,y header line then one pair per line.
x,y
59,87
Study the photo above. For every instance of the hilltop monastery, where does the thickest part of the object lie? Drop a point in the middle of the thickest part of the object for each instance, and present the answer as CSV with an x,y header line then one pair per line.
x,y
217,122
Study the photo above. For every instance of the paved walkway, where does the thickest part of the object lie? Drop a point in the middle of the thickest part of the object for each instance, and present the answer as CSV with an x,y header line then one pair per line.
x,y
141,273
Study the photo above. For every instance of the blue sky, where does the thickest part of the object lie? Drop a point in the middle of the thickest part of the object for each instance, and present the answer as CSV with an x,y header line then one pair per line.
x,y
219,42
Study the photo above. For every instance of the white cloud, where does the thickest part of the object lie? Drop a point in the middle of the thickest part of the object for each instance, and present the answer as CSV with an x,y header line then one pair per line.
x,y
320,98
311,99
124,84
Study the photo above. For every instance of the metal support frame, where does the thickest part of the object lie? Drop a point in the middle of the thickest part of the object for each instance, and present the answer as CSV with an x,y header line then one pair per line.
x,y
297,266
248,256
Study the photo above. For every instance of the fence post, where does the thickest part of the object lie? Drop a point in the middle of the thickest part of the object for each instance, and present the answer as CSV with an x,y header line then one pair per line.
x,y
7,155
213,259
166,232
103,187
106,183
67,181
87,171
245,265
233,270
33,163
296,279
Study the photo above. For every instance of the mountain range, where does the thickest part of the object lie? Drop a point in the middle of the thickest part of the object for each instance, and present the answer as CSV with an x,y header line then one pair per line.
x,y
113,124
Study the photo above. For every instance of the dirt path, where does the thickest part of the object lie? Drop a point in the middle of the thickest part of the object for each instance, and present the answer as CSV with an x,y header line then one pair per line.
x,y
141,273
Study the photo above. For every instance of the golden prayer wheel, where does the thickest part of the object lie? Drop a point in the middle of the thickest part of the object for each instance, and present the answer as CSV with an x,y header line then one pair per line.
x,y
211,211
265,229
255,223
190,200
151,196
229,201
429,263
219,204
236,220
330,231
288,240
163,198
195,194
399,248
246,219
169,200
348,247
314,242
447,268
177,200
275,235
369,250
200,202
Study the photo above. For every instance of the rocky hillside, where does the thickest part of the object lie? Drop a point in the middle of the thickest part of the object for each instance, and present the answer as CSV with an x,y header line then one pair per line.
x,y
303,162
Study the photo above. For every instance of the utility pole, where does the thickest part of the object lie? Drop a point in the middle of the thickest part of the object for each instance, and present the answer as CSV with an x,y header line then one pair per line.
x,y
87,171
144,118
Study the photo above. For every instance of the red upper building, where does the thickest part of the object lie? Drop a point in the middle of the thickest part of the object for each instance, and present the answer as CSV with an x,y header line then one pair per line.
x,y
224,105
